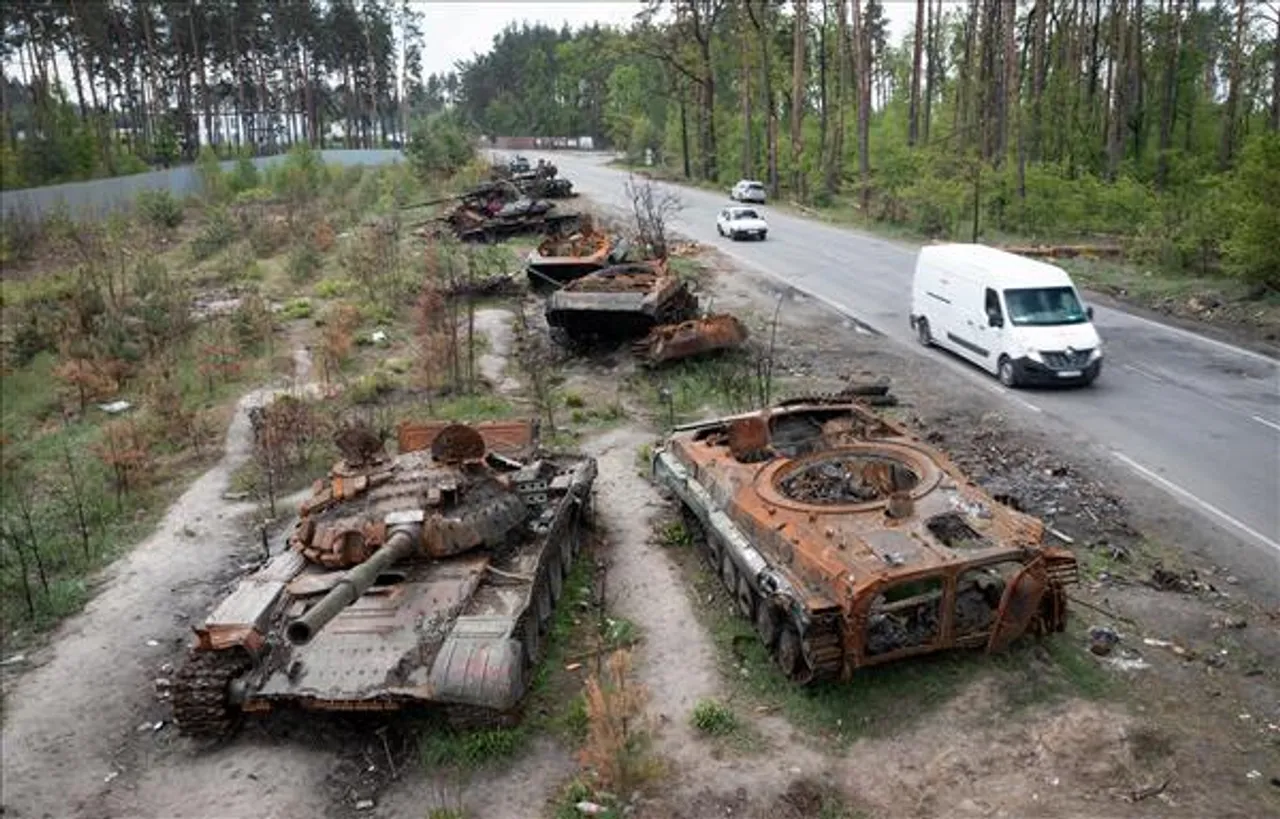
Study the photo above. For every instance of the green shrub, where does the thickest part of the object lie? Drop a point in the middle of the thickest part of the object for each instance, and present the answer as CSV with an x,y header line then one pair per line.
x,y
714,718
1252,248
245,176
297,309
212,180
218,231
334,287
439,147
304,262
471,748
160,209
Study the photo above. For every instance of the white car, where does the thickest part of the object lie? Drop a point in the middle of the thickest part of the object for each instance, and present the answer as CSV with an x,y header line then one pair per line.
x,y
748,190
739,223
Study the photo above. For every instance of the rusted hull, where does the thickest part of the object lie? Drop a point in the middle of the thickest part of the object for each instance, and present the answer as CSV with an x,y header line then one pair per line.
x,y
848,542
427,578
672,342
544,271
621,302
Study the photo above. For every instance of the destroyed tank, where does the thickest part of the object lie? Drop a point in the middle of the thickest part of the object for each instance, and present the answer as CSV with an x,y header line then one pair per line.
x,y
427,578
620,302
559,259
848,542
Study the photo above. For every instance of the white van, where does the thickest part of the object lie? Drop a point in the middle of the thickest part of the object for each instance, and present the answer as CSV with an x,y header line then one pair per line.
x,y
1020,319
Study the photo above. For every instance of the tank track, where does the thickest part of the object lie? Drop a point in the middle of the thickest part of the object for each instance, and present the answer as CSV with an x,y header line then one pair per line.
x,y
201,693
823,640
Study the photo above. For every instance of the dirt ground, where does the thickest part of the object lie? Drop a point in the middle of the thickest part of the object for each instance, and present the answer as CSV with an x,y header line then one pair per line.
x,y
1195,713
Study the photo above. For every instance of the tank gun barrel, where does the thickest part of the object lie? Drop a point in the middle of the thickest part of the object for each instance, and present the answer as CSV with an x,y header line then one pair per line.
x,y
402,543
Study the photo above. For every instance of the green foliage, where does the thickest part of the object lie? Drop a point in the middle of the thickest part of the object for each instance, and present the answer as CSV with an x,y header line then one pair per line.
x,y
714,718
674,534
212,180
160,209
297,309
1252,248
217,232
245,176
300,177
470,749
304,262
439,147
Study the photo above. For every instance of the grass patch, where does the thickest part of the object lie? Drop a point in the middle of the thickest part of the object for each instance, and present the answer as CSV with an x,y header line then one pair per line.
x,y
476,407
445,748
675,535
881,700
580,791
714,718
719,384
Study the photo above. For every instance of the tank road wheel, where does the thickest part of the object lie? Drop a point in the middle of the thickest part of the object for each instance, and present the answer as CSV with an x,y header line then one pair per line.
x,y
746,598
790,656
542,605
728,574
202,705
555,574
766,623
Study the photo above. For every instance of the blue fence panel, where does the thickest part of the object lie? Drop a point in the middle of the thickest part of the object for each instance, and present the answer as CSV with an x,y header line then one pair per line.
x,y
97,198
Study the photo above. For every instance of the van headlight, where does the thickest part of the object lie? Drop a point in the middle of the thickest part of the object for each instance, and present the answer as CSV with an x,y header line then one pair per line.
x,y
1033,354
1095,354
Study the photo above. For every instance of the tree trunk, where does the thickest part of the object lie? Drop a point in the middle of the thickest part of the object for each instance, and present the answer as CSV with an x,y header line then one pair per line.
x,y
1138,119
931,60
748,154
823,147
964,86
1275,78
1119,88
798,38
762,26
1038,59
1009,77
913,107
1169,93
684,130
863,62
1234,78
835,163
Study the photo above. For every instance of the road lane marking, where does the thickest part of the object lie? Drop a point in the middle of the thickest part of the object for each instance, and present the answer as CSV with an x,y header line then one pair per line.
x,y
1265,422
1174,489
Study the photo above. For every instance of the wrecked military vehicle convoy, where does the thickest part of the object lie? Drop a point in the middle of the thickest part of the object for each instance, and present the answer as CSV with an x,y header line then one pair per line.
x,y
848,542
425,578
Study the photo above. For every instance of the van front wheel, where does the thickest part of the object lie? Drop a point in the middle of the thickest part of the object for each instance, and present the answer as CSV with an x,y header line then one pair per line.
x,y
1008,372
922,332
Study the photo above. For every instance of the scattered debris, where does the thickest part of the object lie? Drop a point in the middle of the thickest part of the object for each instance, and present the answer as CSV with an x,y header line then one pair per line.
x,y
1254,774
14,660
115,407
364,804
235,497
1149,791
590,808
153,643
111,776
671,342
623,301
1102,639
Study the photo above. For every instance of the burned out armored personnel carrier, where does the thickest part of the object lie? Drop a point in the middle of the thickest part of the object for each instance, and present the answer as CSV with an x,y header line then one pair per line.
x,y
561,258
620,302
848,542
426,578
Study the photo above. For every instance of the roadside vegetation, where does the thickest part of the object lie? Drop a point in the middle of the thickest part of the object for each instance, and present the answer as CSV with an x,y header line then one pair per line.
x,y
127,342
1150,128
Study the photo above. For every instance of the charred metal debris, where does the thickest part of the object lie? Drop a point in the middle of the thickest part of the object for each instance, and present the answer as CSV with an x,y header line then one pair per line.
x,y
849,542
426,578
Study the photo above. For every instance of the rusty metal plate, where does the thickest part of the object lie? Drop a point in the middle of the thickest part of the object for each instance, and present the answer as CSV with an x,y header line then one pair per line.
x,y
513,439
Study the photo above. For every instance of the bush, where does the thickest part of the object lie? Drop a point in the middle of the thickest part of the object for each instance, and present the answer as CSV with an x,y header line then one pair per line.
x,y
304,262
245,176
212,180
438,148
1251,249
219,231
714,718
160,209
297,309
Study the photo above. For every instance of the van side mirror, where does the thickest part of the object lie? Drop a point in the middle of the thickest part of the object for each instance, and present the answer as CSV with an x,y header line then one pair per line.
x,y
1088,311
995,319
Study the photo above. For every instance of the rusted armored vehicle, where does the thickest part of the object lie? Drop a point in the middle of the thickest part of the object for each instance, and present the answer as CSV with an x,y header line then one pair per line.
x,y
848,542
427,578
698,336
562,258
620,302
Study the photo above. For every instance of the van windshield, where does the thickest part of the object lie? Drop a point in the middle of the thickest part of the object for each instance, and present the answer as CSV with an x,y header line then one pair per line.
x,y
1044,306
745,214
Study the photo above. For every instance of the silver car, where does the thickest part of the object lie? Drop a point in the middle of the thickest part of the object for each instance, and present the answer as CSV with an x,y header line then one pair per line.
x,y
748,190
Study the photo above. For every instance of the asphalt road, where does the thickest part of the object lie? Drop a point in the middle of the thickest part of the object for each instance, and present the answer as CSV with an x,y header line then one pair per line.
x,y
1198,418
